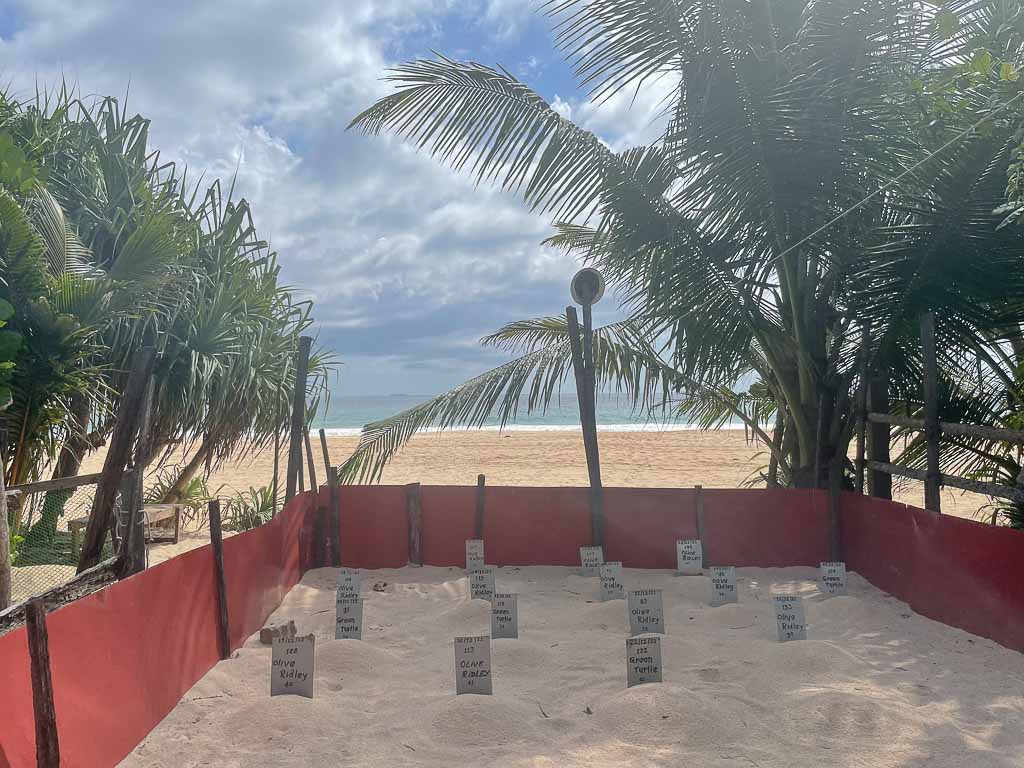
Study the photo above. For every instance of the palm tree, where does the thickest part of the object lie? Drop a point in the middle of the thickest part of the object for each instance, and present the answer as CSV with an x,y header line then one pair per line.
x,y
829,171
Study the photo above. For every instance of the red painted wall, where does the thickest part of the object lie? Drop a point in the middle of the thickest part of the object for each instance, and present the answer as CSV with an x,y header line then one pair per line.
x,y
956,571
123,657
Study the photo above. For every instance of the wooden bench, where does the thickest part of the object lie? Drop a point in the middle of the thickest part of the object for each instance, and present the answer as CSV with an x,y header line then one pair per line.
x,y
157,517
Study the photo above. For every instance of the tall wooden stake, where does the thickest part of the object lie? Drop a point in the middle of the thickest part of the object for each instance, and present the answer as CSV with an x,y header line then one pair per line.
x,y
334,519
309,460
698,511
323,447
879,483
298,417
932,430
217,540
135,530
582,352
478,518
47,747
117,457
5,546
835,495
414,511
277,459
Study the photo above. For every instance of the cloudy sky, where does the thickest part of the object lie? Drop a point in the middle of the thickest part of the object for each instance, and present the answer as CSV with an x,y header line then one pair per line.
x,y
408,263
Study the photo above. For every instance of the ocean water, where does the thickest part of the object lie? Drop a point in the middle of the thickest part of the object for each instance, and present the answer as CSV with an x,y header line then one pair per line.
x,y
347,415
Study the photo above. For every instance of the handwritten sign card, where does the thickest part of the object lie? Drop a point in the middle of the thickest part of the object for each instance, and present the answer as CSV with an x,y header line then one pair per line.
x,y
349,581
643,660
474,554
789,618
689,557
612,587
723,585
504,615
291,666
481,584
348,619
473,665
645,612
833,578
591,558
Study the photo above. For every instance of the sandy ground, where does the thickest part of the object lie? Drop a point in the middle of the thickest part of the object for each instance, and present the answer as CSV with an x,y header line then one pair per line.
x,y
720,459
875,685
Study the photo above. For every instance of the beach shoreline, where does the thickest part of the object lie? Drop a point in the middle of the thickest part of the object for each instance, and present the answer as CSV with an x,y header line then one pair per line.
x,y
667,458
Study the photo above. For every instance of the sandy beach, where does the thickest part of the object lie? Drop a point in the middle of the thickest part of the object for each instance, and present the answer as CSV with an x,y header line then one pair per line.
x,y
668,459
873,685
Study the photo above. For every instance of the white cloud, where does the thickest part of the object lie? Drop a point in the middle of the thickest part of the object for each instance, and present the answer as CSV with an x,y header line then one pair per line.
x,y
392,245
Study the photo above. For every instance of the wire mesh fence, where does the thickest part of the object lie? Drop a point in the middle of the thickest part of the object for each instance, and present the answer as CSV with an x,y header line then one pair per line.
x,y
48,528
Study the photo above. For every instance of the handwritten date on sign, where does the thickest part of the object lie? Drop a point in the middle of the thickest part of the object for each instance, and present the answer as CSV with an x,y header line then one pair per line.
x,y
473,665
291,666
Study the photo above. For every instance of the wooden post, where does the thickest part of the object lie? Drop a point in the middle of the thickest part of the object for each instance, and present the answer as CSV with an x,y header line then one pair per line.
x,y
879,483
5,546
862,411
414,510
47,747
216,539
277,461
478,519
134,544
298,417
117,457
698,511
932,431
582,349
323,447
309,461
334,518
835,495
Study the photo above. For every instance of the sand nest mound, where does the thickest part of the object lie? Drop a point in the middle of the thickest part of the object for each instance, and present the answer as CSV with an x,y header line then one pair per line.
x,y
874,685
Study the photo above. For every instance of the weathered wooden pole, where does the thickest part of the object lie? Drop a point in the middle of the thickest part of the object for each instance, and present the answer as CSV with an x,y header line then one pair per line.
x,y
47,746
277,458
217,542
698,513
478,518
334,518
932,430
587,288
835,496
118,452
134,544
298,417
323,447
879,483
5,546
309,460
414,511
860,463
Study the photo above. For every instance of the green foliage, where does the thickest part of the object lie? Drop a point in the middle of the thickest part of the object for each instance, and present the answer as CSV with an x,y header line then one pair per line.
x,y
722,238
249,509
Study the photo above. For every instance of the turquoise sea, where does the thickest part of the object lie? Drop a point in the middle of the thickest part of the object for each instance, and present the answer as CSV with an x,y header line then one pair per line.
x,y
346,415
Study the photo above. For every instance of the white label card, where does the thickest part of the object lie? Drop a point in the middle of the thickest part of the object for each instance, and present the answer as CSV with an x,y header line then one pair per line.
x,y
789,618
723,585
291,666
504,615
349,581
348,620
689,557
612,587
591,559
474,554
473,665
833,578
646,614
481,584
643,660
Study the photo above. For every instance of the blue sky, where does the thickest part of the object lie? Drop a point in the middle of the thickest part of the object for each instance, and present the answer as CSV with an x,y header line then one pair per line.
x,y
409,264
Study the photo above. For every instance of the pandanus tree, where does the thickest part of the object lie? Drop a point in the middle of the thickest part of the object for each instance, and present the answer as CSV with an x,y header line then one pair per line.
x,y
829,171
125,252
